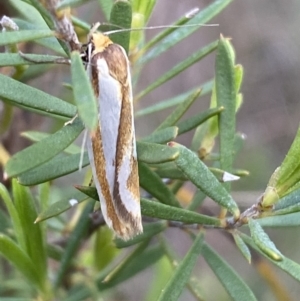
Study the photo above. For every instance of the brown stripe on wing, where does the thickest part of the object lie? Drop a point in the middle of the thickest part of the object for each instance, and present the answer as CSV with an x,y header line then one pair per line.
x,y
124,147
99,160
118,67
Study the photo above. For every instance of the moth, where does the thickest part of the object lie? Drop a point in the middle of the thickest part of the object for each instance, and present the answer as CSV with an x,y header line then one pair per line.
x,y
112,148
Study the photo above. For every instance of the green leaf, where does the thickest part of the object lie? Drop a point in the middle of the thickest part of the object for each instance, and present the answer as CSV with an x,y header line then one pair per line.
x,y
22,95
262,240
14,216
226,97
143,8
84,96
290,164
158,210
61,206
168,171
193,283
33,236
74,240
14,59
181,276
242,246
121,15
179,111
149,230
106,6
174,101
290,267
104,247
50,43
12,37
236,288
196,120
288,200
32,72
162,136
56,167
136,262
286,220
38,136
191,60
44,150
28,12
13,253
46,15
152,183
152,153
199,174
178,35
183,20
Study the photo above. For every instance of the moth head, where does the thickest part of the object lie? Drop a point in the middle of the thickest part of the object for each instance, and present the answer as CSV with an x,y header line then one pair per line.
x,y
99,42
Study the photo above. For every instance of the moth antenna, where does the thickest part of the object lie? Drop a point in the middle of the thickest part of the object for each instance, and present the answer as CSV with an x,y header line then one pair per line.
x,y
158,27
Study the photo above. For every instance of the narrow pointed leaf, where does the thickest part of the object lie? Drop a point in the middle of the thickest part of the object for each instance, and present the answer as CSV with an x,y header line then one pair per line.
x,y
32,72
61,206
289,171
12,37
182,274
179,111
137,262
44,150
34,240
183,20
289,266
162,136
236,288
152,183
155,153
174,101
106,6
286,220
242,247
158,210
14,254
178,35
196,120
74,241
14,216
162,211
171,172
262,240
199,174
50,43
23,95
84,96
56,167
121,15
38,136
192,59
226,97
14,59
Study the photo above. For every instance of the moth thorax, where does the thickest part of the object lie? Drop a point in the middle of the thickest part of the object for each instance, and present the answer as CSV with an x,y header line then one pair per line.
x,y
100,42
